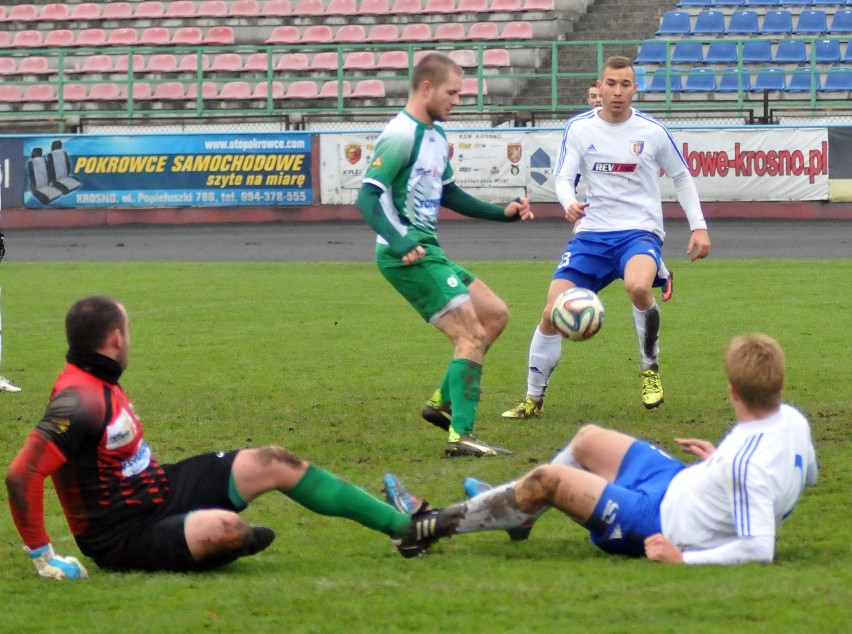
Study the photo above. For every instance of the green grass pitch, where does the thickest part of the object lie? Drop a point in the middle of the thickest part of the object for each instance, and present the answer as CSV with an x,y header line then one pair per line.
x,y
327,360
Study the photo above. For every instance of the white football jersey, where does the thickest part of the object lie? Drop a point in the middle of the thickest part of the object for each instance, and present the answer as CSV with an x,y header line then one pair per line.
x,y
621,165
745,488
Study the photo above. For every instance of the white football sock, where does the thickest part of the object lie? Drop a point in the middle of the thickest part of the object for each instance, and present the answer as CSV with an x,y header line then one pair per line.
x,y
566,457
545,351
648,331
493,510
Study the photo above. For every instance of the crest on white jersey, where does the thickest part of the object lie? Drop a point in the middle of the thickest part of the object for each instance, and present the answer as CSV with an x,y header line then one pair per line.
x,y
637,147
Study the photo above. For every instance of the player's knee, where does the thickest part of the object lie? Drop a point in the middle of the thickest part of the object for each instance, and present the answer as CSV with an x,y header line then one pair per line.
x,y
274,454
536,489
640,293
584,437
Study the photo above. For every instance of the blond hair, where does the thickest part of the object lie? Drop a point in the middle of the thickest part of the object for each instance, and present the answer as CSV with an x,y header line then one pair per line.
x,y
754,365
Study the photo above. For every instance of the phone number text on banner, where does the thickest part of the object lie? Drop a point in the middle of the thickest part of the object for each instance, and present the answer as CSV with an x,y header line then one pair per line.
x,y
168,171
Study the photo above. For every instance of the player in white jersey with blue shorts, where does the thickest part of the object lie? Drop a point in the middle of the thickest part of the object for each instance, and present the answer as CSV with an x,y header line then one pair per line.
x,y
636,500
618,230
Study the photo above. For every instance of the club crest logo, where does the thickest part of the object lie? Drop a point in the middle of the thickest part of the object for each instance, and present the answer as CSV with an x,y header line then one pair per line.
x,y
353,153
637,147
514,152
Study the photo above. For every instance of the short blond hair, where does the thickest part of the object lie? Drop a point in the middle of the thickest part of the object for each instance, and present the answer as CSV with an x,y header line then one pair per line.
x,y
754,365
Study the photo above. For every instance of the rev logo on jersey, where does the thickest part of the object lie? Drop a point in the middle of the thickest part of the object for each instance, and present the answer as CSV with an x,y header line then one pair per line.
x,y
120,431
637,147
614,168
353,153
514,152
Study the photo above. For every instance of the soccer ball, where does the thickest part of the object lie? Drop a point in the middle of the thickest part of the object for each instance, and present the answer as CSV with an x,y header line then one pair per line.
x,y
578,314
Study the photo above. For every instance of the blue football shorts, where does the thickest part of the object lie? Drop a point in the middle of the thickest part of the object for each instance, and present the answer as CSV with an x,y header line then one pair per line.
x,y
629,508
594,259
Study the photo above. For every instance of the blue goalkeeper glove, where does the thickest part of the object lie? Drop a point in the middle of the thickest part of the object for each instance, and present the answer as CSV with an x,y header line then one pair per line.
x,y
49,564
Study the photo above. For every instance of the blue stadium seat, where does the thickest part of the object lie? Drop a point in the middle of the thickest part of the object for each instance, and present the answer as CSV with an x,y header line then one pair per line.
x,y
795,3
709,23
675,23
800,80
743,23
777,21
729,3
695,3
658,81
763,3
641,79
838,78
700,80
771,78
729,78
790,52
841,22
757,52
721,53
826,51
688,51
652,53
811,22
829,3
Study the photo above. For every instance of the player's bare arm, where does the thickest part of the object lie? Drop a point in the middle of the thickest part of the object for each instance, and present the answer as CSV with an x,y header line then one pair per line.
x,y
696,446
699,245
658,547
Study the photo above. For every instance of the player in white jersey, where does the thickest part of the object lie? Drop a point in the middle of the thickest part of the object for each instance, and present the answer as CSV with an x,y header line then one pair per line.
x,y
636,500
5,384
618,230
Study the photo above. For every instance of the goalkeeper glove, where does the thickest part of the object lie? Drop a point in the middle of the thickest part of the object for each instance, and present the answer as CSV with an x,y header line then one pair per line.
x,y
49,564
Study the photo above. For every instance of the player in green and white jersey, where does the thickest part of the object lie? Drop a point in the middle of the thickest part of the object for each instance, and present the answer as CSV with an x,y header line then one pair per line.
x,y
409,180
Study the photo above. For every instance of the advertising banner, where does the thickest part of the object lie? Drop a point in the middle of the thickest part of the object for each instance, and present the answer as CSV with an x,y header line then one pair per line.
x,y
168,170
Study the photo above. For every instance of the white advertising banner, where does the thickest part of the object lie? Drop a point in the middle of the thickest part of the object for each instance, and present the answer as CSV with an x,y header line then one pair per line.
x,y
728,165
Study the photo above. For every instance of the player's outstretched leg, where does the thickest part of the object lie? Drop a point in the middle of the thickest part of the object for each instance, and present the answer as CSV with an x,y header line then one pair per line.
x,y
473,487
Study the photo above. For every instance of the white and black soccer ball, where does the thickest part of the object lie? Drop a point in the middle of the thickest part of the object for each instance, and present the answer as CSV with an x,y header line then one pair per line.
x,y
578,314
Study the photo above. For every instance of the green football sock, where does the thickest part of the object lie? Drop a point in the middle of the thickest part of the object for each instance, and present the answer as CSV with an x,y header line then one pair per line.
x,y
324,493
445,387
464,377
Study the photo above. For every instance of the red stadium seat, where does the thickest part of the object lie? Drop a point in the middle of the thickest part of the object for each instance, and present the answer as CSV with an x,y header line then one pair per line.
x,y
463,57
2,13
256,62
374,7
212,9
245,9
309,7
27,39
123,37
5,39
506,6
393,60
219,35
292,62
117,11
341,7
95,64
261,90
360,60
317,34
472,6
180,9
105,91
235,90
284,35
122,64
407,7
208,91
368,89
86,11
23,13
74,92
440,6
331,89
383,33
495,57
59,38
416,33
149,10
326,60
470,86
39,93
302,90
485,31
36,65
142,91
449,32
91,37
189,63
54,12
10,94
161,63
227,62
351,33
169,91
539,5
7,66
277,8
155,36
517,31
187,36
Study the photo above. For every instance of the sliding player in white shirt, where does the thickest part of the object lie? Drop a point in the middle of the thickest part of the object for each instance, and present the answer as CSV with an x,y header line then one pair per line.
x,y
634,499
618,230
